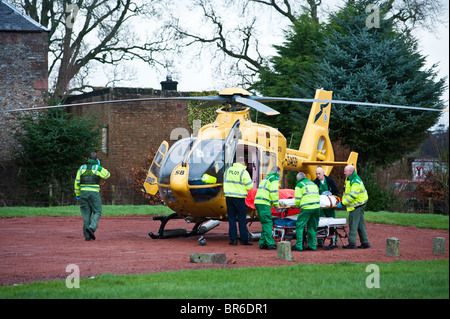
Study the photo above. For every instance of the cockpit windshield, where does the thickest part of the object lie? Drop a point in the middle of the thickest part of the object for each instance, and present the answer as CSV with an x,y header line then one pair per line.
x,y
206,169
206,158
176,154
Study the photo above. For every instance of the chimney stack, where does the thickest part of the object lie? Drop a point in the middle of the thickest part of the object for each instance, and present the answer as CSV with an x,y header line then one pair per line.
x,y
169,85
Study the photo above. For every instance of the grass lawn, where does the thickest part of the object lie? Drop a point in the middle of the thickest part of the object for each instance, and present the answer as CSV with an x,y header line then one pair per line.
x,y
108,210
397,280
431,221
382,217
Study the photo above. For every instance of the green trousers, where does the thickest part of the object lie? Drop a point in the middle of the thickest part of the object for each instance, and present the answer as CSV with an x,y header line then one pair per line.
x,y
265,217
357,226
91,210
310,219
329,212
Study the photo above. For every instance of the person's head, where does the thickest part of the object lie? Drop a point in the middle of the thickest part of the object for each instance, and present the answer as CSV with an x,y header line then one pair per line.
x,y
348,170
320,173
276,169
241,160
93,156
301,175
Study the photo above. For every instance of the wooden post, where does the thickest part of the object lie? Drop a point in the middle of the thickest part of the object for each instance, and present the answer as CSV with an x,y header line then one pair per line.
x,y
430,206
284,250
439,245
113,195
50,195
393,247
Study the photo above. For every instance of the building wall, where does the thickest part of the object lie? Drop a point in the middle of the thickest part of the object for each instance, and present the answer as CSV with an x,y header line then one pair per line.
x,y
134,131
23,78
23,69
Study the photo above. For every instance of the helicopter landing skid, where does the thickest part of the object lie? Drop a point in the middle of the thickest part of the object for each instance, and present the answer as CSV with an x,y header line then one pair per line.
x,y
178,232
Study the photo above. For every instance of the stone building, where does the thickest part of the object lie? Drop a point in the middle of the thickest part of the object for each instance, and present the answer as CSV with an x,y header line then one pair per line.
x,y
23,80
23,67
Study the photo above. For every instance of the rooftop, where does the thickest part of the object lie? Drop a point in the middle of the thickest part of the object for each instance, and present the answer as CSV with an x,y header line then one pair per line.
x,y
11,19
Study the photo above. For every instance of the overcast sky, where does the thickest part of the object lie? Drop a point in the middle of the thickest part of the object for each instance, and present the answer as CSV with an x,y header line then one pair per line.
x,y
198,74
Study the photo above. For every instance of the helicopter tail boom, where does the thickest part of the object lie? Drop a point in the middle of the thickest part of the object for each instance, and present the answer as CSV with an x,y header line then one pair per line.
x,y
315,148
295,161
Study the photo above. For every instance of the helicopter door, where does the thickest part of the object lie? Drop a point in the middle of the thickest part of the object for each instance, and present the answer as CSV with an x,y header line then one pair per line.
x,y
230,145
150,185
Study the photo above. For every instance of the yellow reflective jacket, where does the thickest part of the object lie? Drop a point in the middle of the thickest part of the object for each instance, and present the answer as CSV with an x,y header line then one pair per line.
x,y
208,179
88,177
267,193
355,194
237,181
307,194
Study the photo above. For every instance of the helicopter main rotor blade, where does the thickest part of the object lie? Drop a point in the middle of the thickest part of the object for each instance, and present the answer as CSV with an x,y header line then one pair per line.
x,y
209,99
272,99
256,105
252,101
213,101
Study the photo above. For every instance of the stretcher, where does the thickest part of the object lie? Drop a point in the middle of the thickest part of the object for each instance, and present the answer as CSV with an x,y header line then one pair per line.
x,y
328,228
287,202
283,194
326,201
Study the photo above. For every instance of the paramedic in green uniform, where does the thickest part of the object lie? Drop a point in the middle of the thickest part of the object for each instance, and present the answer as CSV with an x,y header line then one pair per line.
x,y
326,186
87,190
266,197
307,198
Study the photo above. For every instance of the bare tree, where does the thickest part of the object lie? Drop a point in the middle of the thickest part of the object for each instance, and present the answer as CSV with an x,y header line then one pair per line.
x,y
85,32
88,33
285,9
425,14
241,40
233,30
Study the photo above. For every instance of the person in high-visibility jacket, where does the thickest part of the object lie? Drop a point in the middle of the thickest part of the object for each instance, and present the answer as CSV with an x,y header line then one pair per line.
x,y
237,182
308,199
326,186
266,197
354,200
87,190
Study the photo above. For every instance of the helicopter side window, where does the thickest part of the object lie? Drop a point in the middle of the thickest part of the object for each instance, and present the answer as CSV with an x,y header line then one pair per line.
x,y
159,157
252,160
269,160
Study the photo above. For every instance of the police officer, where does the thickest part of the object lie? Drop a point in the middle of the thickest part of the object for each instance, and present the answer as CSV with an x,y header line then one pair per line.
x,y
87,190
266,197
307,198
237,182
354,200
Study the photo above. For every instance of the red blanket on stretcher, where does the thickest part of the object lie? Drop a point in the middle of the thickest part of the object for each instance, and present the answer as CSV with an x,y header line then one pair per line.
x,y
282,193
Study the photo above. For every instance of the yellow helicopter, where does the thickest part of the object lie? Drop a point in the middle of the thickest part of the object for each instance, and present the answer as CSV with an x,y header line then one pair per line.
x,y
179,172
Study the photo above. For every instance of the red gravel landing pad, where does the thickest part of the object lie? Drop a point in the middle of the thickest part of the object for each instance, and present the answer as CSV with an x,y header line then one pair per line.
x,y
40,248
